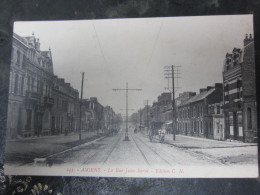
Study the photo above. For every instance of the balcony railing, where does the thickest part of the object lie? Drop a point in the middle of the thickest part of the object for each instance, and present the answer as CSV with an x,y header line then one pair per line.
x,y
48,100
33,96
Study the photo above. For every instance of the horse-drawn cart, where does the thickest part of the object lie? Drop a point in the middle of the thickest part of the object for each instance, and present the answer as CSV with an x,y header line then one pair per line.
x,y
157,130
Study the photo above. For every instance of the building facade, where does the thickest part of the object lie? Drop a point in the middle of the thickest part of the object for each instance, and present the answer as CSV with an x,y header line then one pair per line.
x,y
193,116
216,115
32,88
93,114
240,93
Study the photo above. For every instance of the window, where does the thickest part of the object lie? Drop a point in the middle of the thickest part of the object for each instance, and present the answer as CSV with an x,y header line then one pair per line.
x,y
16,84
28,82
41,88
57,104
24,60
249,118
32,85
218,109
38,87
22,86
18,58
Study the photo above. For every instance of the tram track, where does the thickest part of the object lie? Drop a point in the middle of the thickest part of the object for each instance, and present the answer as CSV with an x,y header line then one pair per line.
x,y
196,154
147,162
109,153
113,148
155,152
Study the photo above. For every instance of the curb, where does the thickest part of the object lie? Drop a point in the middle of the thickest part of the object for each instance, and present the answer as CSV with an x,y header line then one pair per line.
x,y
41,160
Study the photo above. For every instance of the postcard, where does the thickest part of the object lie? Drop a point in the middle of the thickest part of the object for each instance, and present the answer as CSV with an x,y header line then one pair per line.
x,y
169,97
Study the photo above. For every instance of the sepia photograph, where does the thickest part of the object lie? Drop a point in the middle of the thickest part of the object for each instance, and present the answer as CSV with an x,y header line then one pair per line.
x,y
166,97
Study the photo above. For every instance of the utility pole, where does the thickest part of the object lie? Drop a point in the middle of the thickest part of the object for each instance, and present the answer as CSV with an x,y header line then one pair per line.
x,y
147,119
140,126
80,106
170,74
126,90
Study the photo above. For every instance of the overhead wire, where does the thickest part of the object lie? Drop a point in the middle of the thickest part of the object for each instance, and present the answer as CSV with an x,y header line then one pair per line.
x,y
155,43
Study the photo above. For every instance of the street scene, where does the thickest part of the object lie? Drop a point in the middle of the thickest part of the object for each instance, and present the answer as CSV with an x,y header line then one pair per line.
x,y
111,150
133,98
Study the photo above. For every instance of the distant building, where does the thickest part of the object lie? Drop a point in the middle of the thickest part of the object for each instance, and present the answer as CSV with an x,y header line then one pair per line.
x,y
240,93
93,114
161,111
110,117
178,101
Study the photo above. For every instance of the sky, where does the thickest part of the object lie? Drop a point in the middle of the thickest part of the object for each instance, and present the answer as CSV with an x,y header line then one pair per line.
x,y
113,52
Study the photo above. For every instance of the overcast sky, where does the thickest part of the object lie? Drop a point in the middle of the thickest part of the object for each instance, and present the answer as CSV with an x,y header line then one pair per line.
x,y
113,52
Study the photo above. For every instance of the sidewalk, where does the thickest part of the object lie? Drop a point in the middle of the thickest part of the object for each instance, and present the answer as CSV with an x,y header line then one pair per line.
x,y
223,151
183,141
72,135
25,150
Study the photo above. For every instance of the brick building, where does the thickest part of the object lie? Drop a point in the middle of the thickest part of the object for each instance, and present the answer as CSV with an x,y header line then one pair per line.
x,y
193,117
65,112
240,93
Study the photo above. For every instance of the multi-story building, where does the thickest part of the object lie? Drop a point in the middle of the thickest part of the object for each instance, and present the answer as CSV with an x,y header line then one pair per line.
x,y
93,114
161,110
215,114
32,88
110,117
65,112
193,116
240,93
178,101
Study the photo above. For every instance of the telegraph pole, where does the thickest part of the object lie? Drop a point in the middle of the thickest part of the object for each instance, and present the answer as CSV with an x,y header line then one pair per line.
x,y
170,74
126,90
140,126
80,106
147,120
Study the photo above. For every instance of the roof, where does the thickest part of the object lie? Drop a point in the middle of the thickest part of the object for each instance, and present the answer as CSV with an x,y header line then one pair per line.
x,y
198,97
19,38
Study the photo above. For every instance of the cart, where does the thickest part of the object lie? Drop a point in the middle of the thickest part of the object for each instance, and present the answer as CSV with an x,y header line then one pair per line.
x,y
157,130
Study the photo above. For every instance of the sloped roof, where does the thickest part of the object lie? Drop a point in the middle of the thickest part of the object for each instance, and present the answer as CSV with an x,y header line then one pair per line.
x,y
198,97
21,39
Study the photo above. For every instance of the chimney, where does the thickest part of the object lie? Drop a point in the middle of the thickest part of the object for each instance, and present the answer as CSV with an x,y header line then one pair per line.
x,y
218,85
248,40
203,90
209,88
37,45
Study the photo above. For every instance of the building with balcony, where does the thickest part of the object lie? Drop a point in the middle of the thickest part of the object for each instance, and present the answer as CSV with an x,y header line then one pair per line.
x,y
33,91
240,93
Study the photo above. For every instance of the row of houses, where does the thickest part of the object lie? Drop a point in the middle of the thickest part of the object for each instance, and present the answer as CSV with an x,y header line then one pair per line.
x,y
223,111
41,103
97,117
